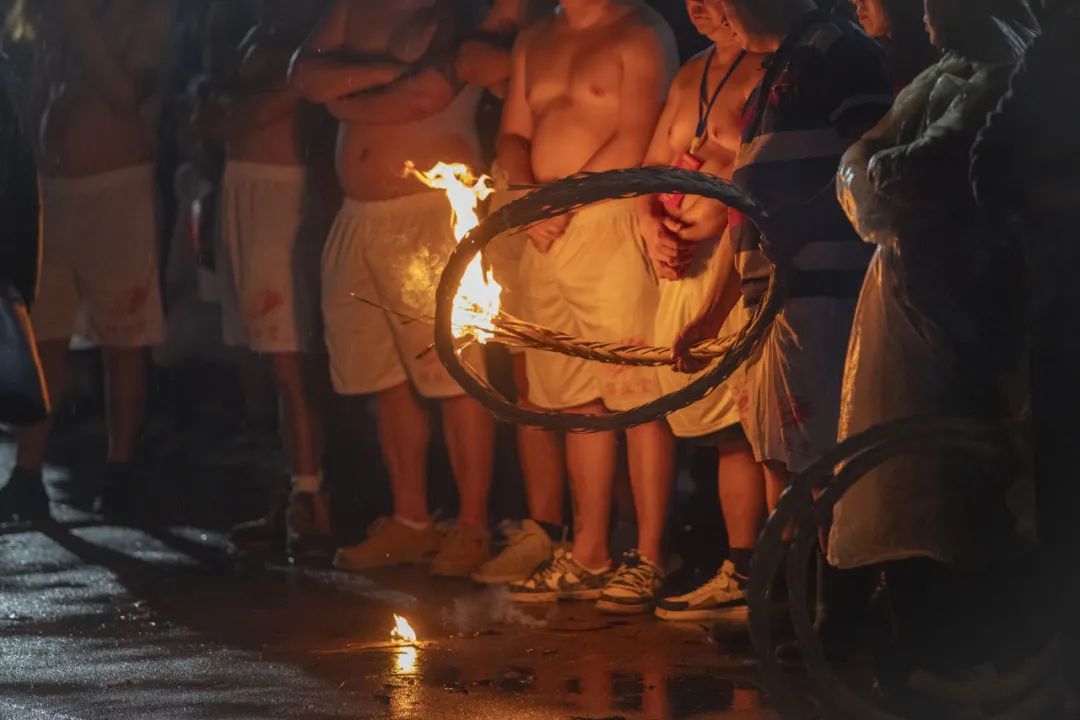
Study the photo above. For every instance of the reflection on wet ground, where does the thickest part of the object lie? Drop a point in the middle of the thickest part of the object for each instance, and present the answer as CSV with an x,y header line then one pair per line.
x,y
102,621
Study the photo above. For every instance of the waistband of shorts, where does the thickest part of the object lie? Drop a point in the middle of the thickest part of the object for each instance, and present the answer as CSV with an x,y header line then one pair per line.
x,y
421,202
244,170
103,181
603,211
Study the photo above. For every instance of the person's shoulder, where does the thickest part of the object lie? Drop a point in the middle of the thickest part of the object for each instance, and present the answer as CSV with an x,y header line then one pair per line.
x,y
840,38
642,28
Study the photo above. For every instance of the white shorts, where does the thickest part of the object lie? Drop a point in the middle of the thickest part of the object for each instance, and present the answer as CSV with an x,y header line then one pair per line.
x,y
595,284
99,273
789,394
680,302
391,252
272,261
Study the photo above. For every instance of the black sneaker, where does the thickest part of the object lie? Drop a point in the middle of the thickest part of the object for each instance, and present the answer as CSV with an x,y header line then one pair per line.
x,y
561,578
724,593
24,497
265,534
635,587
121,493
307,522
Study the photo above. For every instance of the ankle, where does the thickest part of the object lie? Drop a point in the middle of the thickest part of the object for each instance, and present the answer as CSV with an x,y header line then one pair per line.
x,y
591,558
412,523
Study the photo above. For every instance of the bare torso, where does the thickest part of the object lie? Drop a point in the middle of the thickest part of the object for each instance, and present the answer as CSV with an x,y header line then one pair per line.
x,y
371,158
279,142
573,82
723,129
82,133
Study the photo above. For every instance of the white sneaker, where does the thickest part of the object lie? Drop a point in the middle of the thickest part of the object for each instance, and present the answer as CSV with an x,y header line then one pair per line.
x,y
634,588
720,595
561,578
528,548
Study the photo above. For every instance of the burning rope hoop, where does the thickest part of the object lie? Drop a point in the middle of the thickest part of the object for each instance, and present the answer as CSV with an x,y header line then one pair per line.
x,y
557,199
805,506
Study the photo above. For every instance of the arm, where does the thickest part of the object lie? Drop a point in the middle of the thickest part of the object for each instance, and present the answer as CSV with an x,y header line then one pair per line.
x,y
484,63
114,81
721,298
419,96
322,79
514,146
646,74
226,118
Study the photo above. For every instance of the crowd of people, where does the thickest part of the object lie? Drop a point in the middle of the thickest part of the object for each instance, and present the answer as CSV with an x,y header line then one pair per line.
x,y
297,130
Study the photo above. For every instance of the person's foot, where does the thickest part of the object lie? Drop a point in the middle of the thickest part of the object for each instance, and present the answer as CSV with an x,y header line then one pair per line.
x,y
389,542
23,497
725,592
121,494
263,534
307,524
634,588
463,550
561,578
528,548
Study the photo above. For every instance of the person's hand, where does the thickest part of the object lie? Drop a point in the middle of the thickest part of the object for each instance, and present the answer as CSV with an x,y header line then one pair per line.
x,y
698,219
698,330
668,254
544,233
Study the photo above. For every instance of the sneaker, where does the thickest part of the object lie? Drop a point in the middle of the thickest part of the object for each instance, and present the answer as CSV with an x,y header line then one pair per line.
x,y
634,588
561,578
725,592
264,534
307,524
389,543
24,497
463,550
121,494
528,548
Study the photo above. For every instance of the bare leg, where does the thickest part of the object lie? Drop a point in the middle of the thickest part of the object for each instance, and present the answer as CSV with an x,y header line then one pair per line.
x,y
777,479
543,460
470,440
125,380
651,449
590,459
301,428
55,357
404,434
742,494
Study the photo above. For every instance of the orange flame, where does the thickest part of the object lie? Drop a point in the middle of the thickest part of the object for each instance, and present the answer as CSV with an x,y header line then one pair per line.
x,y
402,630
477,301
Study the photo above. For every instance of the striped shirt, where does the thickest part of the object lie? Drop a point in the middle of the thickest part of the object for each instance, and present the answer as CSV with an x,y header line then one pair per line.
x,y
825,84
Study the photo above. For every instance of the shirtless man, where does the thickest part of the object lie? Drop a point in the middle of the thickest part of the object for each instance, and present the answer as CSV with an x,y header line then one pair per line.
x,y
586,89
388,245
271,230
699,130
100,241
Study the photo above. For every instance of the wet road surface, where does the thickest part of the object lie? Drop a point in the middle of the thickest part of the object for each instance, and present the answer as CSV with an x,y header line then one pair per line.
x,y
99,621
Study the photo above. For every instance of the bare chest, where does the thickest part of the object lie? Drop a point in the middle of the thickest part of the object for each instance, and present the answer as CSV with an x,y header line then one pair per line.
x,y
586,72
403,31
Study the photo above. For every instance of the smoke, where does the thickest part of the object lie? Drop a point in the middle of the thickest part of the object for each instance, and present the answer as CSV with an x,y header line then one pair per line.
x,y
476,612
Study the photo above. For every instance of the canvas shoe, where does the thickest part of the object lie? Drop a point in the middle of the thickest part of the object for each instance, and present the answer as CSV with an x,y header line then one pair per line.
x,y
463,551
561,578
389,543
635,587
725,592
528,548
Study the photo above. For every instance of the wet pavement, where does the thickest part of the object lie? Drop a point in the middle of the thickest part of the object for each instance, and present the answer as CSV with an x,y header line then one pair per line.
x,y
99,621
104,621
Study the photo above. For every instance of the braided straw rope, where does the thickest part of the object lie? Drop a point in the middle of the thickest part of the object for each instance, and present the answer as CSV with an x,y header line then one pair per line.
x,y
565,196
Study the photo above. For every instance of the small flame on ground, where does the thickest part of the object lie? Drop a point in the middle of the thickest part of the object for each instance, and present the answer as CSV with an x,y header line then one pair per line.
x,y
477,301
402,630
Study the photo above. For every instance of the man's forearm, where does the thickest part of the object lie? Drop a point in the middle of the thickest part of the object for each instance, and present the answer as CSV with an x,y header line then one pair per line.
x,y
726,289
405,101
515,158
234,117
324,80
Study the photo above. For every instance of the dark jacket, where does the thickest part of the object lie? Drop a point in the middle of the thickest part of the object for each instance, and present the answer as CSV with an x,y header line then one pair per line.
x,y
20,214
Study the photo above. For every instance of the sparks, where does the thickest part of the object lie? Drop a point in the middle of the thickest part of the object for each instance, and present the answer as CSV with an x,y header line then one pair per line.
x,y
477,301
402,631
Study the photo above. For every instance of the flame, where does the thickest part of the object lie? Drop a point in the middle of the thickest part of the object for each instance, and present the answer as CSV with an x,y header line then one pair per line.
x,y
477,301
402,630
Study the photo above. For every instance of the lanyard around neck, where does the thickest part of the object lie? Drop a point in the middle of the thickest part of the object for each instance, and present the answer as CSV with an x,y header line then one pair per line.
x,y
706,103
